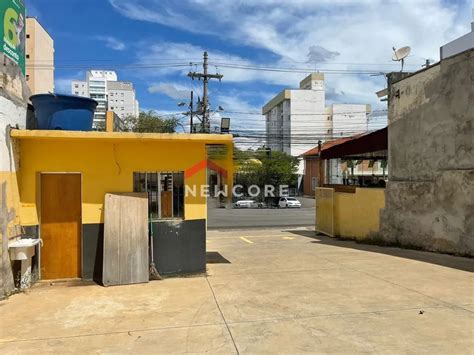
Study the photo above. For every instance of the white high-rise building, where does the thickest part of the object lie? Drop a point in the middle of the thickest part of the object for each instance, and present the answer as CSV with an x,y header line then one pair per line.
x,y
113,95
121,99
296,119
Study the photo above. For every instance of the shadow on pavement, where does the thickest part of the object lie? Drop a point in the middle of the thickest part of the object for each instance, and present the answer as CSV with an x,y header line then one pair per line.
x,y
213,257
451,261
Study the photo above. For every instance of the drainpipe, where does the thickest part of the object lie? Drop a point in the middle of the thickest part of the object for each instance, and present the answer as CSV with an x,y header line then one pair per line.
x,y
321,175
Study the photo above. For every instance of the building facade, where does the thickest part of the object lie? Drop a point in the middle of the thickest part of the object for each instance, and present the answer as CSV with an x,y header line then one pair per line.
x,y
55,188
14,94
122,99
296,119
39,58
111,94
430,192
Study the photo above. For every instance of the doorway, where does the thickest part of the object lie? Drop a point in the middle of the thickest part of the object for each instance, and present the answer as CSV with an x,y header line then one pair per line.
x,y
61,218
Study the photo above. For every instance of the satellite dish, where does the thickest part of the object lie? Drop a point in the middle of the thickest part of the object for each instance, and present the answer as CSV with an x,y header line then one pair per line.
x,y
400,54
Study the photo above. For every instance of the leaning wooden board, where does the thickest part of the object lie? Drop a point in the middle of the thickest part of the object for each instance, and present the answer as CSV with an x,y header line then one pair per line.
x,y
125,239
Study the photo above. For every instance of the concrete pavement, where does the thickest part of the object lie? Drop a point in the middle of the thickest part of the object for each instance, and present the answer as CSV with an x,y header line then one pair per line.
x,y
265,291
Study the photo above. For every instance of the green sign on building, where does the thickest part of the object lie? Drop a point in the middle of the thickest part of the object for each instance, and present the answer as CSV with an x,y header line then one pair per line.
x,y
12,31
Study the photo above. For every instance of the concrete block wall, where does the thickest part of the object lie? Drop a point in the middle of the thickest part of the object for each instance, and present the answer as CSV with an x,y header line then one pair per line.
x,y
14,94
430,193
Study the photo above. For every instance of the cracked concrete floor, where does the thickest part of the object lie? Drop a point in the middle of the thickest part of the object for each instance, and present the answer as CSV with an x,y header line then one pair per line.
x,y
280,291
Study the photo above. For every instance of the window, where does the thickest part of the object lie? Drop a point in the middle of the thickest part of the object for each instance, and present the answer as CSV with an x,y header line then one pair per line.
x,y
27,36
76,86
27,56
165,193
27,77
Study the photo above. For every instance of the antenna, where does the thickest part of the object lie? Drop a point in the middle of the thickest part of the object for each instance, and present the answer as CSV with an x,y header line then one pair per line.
x,y
400,54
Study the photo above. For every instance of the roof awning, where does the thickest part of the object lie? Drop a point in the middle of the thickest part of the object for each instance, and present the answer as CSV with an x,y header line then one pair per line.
x,y
370,145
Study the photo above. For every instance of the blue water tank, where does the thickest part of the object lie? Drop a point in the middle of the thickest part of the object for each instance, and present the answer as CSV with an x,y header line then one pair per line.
x,y
64,112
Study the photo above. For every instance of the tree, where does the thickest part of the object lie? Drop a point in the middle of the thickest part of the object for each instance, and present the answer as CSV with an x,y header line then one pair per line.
x,y
151,122
263,167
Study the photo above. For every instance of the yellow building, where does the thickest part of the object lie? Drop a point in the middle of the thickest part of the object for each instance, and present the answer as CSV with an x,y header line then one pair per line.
x,y
39,58
65,175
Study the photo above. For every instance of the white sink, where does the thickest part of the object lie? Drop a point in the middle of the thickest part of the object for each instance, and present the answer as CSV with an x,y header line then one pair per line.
x,y
22,249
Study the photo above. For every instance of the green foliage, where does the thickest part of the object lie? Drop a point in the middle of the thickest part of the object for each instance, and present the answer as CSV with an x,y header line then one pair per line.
x,y
263,167
151,122
100,126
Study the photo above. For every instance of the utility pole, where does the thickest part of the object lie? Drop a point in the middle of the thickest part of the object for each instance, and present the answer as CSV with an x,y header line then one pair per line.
x,y
205,76
191,108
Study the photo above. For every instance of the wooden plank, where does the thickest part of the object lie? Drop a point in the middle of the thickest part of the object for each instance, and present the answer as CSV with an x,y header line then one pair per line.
x,y
125,239
110,269
60,226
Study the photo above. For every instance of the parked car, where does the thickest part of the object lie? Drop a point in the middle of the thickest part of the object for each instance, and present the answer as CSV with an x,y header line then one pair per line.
x,y
248,203
289,202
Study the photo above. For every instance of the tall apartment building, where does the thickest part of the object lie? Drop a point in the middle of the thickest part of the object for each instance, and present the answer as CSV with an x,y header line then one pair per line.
x,y
121,99
39,58
113,95
296,119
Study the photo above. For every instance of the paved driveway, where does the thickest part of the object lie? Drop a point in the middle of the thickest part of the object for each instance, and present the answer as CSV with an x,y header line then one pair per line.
x,y
266,291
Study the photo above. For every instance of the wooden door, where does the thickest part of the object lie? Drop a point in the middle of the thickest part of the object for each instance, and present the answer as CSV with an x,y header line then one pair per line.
x,y
60,226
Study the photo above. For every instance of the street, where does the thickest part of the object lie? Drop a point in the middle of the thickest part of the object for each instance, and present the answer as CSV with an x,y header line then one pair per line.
x,y
228,218
222,218
271,291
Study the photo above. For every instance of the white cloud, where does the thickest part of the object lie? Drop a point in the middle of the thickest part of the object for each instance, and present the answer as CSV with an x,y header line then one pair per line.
x,y
362,30
315,35
111,42
174,91
62,85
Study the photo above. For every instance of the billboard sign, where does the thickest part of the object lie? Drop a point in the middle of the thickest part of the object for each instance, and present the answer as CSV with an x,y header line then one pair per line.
x,y
12,31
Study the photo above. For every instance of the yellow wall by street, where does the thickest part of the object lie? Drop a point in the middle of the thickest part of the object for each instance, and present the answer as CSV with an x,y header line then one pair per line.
x,y
358,214
354,215
107,165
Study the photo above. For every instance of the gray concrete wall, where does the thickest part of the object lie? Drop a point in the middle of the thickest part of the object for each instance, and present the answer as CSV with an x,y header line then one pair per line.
x,y
14,94
430,193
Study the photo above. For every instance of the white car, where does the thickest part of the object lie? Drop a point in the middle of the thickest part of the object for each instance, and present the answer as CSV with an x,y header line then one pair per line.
x,y
289,202
246,204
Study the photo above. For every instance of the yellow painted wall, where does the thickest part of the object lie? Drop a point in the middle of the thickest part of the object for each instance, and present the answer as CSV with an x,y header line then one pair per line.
x,y
106,166
357,214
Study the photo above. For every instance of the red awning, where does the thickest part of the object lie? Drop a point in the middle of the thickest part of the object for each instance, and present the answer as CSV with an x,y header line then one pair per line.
x,y
372,142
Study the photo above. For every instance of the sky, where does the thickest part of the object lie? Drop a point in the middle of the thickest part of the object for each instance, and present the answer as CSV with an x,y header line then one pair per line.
x,y
155,43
